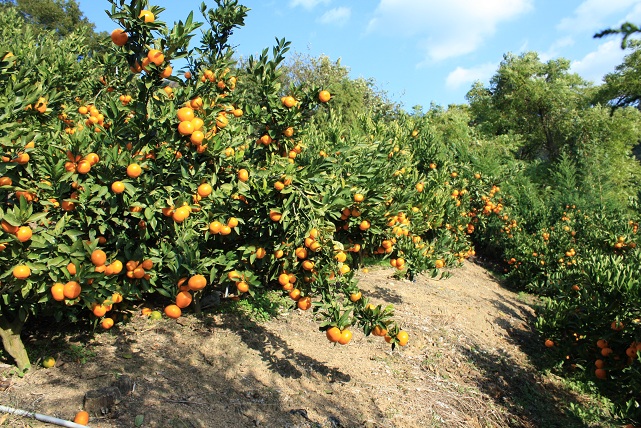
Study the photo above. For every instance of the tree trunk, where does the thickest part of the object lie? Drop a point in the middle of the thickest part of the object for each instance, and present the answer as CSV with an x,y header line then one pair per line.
x,y
12,343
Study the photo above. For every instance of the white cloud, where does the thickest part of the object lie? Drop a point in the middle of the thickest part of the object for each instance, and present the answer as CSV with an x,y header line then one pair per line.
x,y
337,16
445,29
308,4
595,15
466,76
596,64
554,50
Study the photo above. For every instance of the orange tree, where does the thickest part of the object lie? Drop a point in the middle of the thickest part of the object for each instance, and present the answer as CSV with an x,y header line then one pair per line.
x,y
154,184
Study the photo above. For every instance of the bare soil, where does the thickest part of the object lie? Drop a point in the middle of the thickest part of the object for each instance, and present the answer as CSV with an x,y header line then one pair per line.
x,y
469,363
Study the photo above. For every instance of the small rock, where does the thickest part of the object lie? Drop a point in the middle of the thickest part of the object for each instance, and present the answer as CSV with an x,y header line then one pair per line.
x,y
100,402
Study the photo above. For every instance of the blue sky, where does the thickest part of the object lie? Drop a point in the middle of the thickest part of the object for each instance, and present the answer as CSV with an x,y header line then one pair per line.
x,y
424,51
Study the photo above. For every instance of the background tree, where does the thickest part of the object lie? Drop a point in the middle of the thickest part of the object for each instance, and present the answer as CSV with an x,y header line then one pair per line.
x,y
536,100
61,16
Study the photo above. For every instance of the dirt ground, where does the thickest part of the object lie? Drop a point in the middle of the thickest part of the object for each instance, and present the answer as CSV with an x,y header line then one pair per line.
x,y
467,364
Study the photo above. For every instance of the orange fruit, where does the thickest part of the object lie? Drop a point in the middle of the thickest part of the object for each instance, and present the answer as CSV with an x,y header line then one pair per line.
x,y
601,373
243,175
107,323
260,253
147,264
71,268
185,114
304,303
232,222
173,311
183,299
21,272
185,127
242,287
346,337
147,16
225,230
98,257
72,290
355,297
215,227
333,334
57,292
119,37
275,215
324,96
81,418
8,227
379,331
6,181
24,233
48,362
549,343
166,72
134,170
402,338
197,282
288,101
439,264
359,197
118,187
99,310
156,56
205,190
116,297
180,214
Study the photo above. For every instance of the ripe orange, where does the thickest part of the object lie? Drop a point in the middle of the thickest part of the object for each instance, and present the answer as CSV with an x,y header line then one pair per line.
x,y
439,264
260,253
81,418
6,181
71,268
364,225
119,37
288,101
180,214
72,290
379,331
346,337
57,291
242,287
156,56
107,323
173,311
147,264
355,297
225,230
549,343
295,293
8,227
83,167
118,187
304,303
147,16
402,337
215,227
98,257
205,190
166,72
324,96
333,334
183,299
21,272
185,127
358,197
275,215
134,170
601,373
232,222
243,175
99,310
197,282
24,233
116,297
